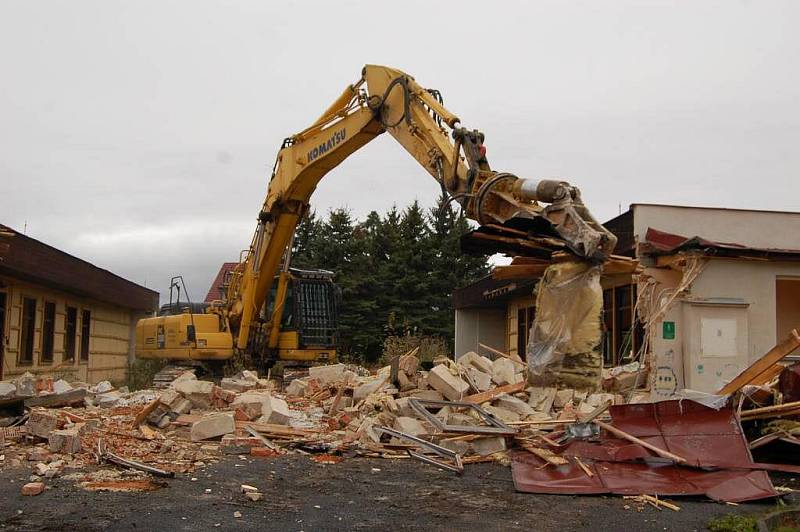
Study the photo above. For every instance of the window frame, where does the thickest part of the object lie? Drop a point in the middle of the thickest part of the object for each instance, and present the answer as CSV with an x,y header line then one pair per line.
x,y
70,351
24,341
86,334
43,341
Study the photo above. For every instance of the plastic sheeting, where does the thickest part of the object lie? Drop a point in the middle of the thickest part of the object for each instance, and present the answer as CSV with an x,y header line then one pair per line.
x,y
562,348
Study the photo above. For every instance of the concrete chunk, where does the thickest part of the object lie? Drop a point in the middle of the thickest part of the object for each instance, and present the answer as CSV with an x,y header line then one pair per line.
x,y
237,385
488,445
477,361
169,396
297,388
428,395
275,411
65,441
509,402
563,398
541,399
251,403
363,391
212,426
409,425
7,390
327,374
42,423
181,406
61,386
502,414
447,384
504,371
482,380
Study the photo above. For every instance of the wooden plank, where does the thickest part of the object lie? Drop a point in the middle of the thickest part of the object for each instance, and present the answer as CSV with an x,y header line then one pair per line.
x,y
763,364
519,271
514,359
633,439
768,375
785,407
188,419
613,267
517,261
143,413
482,397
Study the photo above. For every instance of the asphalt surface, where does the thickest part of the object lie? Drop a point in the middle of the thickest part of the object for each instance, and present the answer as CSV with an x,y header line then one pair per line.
x,y
356,494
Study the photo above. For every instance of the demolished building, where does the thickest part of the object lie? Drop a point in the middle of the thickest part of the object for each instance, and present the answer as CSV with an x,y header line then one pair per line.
x,y
715,289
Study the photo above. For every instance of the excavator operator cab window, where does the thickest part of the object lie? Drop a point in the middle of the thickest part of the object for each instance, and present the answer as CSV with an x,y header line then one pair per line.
x,y
287,319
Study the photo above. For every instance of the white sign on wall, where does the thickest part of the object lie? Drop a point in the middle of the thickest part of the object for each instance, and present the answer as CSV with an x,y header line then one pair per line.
x,y
718,337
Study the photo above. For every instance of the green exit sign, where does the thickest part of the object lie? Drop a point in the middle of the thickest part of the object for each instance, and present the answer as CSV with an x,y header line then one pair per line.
x,y
668,332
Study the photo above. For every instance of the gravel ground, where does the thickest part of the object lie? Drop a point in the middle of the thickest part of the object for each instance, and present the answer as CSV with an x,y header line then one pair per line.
x,y
356,494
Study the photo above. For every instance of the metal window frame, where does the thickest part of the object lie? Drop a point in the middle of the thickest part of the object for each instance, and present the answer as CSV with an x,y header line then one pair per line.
x,y
494,426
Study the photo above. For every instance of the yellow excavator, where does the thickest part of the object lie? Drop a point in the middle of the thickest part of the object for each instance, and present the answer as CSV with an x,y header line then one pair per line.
x,y
516,215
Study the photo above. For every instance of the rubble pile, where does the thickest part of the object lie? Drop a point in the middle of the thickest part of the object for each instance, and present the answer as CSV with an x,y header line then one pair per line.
x,y
475,409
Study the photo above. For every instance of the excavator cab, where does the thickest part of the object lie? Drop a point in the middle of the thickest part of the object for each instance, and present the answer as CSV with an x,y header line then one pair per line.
x,y
310,317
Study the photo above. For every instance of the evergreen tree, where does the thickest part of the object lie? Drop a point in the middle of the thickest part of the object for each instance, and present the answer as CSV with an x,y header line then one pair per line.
x,y
396,273
415,254
306,238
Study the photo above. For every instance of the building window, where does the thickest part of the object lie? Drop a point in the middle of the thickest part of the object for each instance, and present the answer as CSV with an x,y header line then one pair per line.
x,y
525,317
48,331
622,334
27,332
70,333
86,321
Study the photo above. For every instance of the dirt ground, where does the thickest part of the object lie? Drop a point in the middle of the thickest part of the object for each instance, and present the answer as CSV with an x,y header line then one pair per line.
x,y
356,494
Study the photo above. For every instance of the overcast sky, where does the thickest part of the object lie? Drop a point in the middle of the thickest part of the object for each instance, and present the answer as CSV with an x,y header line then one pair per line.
x,y
139,135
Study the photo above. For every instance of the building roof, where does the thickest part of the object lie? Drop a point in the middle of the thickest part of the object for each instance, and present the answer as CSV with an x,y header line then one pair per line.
x,y
632,205
663,243
218,289
28,259
490,292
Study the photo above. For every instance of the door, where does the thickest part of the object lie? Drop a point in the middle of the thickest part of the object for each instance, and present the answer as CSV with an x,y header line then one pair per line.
x,y
787,309
2,331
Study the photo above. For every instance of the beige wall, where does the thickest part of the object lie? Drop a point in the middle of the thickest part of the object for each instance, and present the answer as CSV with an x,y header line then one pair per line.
x,y
109,343
751,228
762,321
753,281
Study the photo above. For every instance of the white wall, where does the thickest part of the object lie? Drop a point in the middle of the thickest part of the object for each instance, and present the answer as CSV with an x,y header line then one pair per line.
x,y
760,229
479,325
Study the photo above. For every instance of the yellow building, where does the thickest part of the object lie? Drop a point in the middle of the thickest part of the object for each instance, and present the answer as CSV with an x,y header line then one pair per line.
x,y
62,316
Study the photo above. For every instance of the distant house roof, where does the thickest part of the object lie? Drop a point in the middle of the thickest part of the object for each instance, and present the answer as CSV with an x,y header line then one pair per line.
x,y
28,259
663,243
217,290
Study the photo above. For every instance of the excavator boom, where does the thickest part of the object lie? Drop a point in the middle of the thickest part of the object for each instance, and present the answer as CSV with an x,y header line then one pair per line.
x,y
546,215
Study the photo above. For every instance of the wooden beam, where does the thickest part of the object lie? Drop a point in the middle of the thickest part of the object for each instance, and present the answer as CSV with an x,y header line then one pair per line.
x,y
633,439
483,397
519,271
515,360
763,364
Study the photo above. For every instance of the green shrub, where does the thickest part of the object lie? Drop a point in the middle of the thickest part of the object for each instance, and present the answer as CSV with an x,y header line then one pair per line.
x,y
733,523
430,347
141,373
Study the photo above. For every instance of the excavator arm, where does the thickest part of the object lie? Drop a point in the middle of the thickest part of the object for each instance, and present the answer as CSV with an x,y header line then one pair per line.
x,y
388,100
